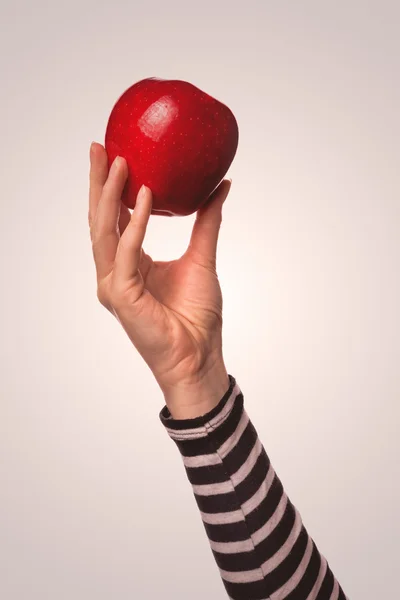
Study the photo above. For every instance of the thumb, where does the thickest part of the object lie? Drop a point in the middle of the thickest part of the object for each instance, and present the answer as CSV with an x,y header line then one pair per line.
x,y
204,238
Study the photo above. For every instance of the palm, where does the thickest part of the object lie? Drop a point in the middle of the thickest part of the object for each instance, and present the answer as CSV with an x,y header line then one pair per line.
x,y
181,302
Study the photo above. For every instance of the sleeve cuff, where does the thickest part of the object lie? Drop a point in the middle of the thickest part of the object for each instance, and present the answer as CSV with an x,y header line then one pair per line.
x,y
201,427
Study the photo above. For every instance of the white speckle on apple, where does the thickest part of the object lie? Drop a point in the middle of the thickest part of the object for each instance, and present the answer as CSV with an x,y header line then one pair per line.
x,y
157,118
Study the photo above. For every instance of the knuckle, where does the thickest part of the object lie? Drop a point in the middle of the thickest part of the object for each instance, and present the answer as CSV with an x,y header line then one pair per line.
x,y
116,298
94,232
91,233
206,262
103,296
123,297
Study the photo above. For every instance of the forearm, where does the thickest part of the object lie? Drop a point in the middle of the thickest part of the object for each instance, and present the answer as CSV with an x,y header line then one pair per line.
x,y
257,536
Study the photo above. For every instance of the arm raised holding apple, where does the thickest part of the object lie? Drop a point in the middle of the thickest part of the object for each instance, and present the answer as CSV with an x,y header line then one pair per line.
x,y
172,312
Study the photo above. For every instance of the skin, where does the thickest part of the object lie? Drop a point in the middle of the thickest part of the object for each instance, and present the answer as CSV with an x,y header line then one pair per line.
x,y
171,311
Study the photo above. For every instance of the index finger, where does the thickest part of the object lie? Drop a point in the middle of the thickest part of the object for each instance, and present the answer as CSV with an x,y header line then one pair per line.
x,y
97,177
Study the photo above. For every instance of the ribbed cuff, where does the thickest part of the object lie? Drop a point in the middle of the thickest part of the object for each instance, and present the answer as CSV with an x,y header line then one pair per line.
x,y
193,436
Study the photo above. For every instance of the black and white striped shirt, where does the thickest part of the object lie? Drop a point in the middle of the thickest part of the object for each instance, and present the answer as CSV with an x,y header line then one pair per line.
x,y
256,534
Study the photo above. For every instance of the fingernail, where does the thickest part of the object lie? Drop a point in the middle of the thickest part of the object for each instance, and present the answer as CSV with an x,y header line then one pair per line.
x,y
141,194
227,193
116,163
91,148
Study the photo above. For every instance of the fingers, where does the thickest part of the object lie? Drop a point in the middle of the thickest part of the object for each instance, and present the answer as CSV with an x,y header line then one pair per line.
x,y
97,178
204,238
124,218
129,254
105,235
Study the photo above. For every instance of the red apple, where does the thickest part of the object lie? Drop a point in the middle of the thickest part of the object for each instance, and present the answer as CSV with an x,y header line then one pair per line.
x,y
176,139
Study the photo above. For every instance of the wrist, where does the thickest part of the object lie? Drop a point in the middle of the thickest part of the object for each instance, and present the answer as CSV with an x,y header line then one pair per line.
x,y
198,395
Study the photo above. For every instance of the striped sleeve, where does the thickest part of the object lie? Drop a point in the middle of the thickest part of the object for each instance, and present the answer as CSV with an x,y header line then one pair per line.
x,y
257,537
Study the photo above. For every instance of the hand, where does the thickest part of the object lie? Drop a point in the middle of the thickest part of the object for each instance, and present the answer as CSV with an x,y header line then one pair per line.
x,y
171,311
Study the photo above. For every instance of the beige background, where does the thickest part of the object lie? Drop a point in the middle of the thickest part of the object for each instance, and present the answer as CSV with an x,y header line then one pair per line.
x,y
94,502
